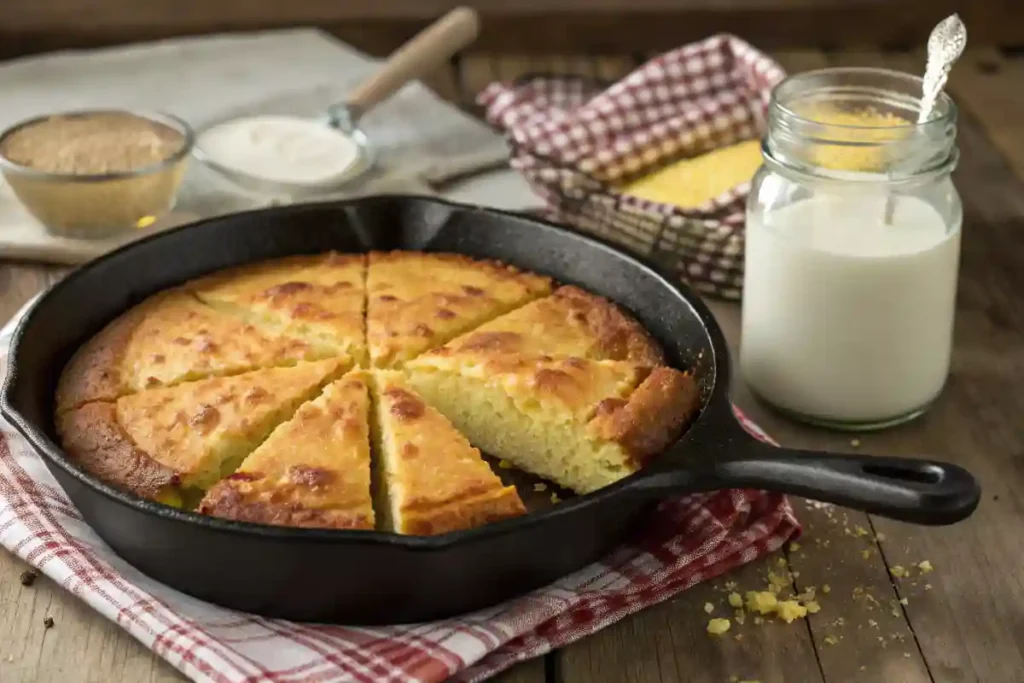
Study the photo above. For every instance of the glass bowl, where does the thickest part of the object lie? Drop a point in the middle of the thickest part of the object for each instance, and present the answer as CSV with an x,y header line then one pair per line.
x,y
94,205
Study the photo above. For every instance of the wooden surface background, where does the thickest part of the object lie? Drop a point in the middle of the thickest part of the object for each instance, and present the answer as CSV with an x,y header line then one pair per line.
x,y
962,623
528,26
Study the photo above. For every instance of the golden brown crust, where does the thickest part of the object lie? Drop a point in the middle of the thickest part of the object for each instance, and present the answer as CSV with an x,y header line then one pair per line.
x,y
494,266
475,508
417,301
94,372
438,481
619,336
313,469
569,323
652,417
224,500
92,436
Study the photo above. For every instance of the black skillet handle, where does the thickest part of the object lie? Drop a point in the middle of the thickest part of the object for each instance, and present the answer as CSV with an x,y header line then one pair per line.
x,y
910,490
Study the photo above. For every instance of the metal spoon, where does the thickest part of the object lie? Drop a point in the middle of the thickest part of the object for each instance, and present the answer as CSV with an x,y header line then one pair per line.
x,y
426,51
945,45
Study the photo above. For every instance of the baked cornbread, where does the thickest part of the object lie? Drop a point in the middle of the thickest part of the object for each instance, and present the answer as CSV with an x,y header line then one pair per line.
x,y
313,471
170,338
318,299
418,301
171,442
583,424
569,323
271,393
434,480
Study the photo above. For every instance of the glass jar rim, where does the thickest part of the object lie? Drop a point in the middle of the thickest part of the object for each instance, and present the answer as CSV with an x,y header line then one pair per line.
x,y
802,81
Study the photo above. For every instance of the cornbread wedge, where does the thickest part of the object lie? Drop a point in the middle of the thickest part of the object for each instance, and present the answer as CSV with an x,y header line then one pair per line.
x,y
434,481
170,338
417,301
313,471
175,441
569,323
318,299
580,423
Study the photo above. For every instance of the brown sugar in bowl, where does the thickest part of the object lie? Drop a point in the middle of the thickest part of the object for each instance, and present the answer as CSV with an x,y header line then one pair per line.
x,y
97,172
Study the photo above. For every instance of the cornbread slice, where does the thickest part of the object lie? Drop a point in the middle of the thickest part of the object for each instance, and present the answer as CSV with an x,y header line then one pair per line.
x,y
569,323
313,471
319,299
417,301
433,479
176,440
580,423
170,338
690,183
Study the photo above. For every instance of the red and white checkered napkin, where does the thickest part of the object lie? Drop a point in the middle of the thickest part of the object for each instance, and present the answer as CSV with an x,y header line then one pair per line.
x,y
687,541
575,143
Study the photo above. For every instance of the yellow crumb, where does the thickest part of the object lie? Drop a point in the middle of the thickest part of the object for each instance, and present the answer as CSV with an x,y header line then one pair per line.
x,y
812,607
762,602
855,443
504,464
790,610
730,585
781,562
925,566
717,627
866,553
735,599
860,532
145,221
739,616
540,486
708,607
831,640
555,498
826,589
898,571
778,582
904,601
794,546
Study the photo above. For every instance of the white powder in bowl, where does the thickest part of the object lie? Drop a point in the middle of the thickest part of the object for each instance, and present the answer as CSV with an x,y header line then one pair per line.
x,y
282,149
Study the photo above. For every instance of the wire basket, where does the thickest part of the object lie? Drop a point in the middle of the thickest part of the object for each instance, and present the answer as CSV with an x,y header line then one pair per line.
x,y
578,140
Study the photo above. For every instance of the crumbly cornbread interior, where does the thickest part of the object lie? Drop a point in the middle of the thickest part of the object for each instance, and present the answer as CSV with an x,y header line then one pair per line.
x,y
358,391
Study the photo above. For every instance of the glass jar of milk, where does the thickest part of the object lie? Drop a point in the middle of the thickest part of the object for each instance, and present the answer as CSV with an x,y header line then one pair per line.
x,y
852,250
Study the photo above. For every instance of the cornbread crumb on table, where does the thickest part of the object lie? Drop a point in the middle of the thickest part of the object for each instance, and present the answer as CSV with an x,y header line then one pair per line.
x,y
717,627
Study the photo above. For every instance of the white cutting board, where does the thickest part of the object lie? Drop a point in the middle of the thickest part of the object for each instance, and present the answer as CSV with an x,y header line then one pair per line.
x,y
421,138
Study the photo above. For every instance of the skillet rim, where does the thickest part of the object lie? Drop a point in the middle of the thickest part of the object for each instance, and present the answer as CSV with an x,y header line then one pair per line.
x,y
55,455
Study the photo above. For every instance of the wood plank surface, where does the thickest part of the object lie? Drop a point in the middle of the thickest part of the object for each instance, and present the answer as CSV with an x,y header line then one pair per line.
x,y
536,26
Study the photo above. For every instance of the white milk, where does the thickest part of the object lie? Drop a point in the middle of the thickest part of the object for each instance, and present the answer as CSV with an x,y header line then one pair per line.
x,y
280,148
846,319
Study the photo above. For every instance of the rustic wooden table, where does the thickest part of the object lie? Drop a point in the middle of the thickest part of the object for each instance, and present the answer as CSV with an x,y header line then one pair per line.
x,y
962,622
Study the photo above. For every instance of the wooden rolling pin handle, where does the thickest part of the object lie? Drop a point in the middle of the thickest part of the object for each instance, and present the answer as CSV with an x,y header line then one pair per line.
x,y
425,52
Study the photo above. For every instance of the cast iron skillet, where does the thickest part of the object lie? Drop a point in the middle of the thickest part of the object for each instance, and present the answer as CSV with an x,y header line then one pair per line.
x,y
371,577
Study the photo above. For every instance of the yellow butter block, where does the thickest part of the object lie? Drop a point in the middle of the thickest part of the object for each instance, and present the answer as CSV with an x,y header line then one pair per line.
x,y
690,183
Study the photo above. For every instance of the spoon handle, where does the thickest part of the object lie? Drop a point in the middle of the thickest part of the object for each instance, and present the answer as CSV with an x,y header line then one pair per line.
x,y
426,51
